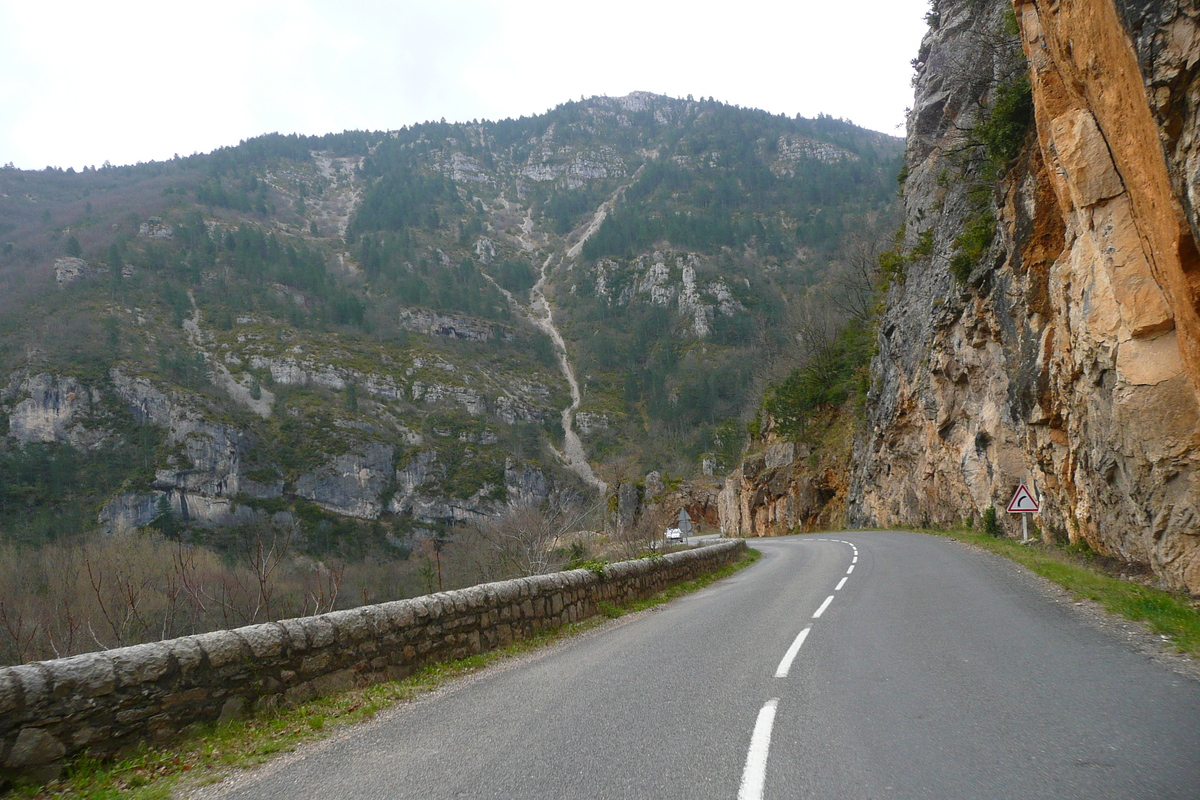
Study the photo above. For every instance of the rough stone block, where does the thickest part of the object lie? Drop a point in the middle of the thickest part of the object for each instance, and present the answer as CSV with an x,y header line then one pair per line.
x,y
222,647
315,665
187,653
352,625
438,606
132,715
85,675
143,663
265,641
10,692
35,688
187,697
375,618
34,747
504,591
321,632
400,612
297,636
475,597
339,681
231,710
89,734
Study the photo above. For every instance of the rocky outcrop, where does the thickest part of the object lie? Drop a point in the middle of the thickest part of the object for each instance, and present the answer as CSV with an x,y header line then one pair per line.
x,y
352,484
777,492
1070,356
155,228
205,479
471,400
70,269
419,495
128,511
204,488
453,326
649,278
524,485
214,451
55,409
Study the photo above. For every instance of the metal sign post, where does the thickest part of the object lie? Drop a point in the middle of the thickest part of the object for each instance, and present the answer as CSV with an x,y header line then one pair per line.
x,y
1024,503
685,524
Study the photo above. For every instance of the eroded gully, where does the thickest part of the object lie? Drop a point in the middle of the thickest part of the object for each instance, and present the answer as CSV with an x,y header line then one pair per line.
x,y
541,314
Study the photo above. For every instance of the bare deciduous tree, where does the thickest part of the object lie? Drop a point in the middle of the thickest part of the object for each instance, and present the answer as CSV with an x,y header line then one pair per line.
x,y
855,277
525,539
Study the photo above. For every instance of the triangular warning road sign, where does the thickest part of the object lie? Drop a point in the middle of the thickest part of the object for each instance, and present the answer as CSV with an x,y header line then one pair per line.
x,y
1023,502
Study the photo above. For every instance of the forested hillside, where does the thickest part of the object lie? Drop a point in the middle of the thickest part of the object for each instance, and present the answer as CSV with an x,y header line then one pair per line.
x,y
339,344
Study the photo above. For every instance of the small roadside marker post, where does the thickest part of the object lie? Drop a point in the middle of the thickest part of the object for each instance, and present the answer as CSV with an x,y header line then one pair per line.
x,y
1024,503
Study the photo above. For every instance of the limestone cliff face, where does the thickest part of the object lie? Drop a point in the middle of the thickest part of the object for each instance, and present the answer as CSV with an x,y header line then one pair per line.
x,y
784,489
1070,357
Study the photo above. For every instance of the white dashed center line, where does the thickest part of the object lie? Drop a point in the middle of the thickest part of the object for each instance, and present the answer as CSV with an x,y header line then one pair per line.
x,y
755,773
790,655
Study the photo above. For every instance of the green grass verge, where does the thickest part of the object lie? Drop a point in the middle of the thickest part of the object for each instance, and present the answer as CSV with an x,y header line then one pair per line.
x,y
210,752
1166,613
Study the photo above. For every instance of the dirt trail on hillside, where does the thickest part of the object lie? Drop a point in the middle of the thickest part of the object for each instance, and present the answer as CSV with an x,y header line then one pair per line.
x,y
541,314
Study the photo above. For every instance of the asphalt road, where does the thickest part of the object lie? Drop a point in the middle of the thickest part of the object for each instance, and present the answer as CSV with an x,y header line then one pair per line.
x,y
935,672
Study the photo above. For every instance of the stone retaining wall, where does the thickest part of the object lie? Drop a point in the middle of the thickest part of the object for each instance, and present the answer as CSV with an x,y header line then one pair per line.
x,y
102,702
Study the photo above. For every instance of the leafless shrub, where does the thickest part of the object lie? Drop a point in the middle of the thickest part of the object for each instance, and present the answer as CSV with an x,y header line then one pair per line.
x,y
645,535
100,592
526,539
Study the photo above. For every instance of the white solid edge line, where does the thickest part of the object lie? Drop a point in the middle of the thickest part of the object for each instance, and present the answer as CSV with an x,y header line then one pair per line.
x,y
841,583
782,670
755,773
850,569
824,606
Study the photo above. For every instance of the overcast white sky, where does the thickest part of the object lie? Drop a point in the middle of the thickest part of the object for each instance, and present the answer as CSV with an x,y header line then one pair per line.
x,y
133,80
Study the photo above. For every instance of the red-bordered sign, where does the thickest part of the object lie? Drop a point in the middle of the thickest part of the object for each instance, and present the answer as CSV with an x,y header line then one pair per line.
x,y
1023,502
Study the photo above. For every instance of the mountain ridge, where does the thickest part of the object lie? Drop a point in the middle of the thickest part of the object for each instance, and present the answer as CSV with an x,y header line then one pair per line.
x,y
253,301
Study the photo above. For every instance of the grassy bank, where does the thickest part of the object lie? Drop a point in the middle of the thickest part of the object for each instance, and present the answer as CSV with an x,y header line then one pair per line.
x,y
1079,571
211,752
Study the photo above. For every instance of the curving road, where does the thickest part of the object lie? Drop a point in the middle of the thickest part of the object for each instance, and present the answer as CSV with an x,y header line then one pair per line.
x,y
856,665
